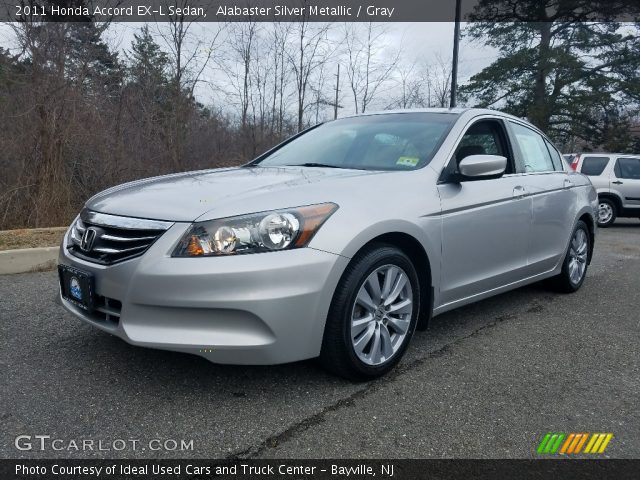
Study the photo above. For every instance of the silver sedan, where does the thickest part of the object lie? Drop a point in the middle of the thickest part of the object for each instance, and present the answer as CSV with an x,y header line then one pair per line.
x,y
338,243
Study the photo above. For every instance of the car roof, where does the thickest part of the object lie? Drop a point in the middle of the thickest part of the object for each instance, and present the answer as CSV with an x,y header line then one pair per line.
x,y
458,111
471,113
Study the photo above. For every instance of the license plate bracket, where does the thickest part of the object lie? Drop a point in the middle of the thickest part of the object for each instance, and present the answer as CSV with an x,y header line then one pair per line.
x,y
77,287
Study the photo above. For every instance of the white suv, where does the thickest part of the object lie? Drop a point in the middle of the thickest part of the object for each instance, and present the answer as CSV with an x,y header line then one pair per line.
x,y
617,181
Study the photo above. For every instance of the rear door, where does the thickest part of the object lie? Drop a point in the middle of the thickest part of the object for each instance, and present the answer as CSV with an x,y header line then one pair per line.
x,y
627,182
485,223
553,197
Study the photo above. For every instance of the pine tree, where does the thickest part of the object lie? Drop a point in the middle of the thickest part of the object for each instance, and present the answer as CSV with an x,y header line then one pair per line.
x,y
90,60
565,74
148,66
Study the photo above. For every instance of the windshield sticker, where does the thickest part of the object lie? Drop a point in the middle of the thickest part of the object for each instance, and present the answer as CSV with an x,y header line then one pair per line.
x,y
407,161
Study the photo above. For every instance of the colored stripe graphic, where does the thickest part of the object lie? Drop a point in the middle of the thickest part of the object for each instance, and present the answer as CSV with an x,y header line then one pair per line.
x,y
543,443
605,442
550,443
598,443
572,443
568,442
581,443
591,443
557,443
596,446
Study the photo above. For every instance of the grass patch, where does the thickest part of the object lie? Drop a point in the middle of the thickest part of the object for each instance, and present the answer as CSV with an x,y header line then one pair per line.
x,y
31,238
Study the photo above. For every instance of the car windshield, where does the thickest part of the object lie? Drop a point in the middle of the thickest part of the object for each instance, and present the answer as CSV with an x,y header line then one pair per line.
x,y
398,141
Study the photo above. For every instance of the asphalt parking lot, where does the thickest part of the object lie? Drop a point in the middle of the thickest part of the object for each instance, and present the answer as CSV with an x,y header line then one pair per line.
x,y
485,381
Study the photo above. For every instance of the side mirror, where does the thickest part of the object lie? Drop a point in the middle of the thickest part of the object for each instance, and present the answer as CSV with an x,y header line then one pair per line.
x,y
481,167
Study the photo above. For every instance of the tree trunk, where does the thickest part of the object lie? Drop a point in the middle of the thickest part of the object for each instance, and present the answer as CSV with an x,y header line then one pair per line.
x,y
539,112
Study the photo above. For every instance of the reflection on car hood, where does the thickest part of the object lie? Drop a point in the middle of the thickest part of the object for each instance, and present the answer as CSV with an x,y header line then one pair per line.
x,y
188,196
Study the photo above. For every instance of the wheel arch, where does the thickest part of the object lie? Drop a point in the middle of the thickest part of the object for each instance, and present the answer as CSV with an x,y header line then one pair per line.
x,y
614,197
416,252
591,226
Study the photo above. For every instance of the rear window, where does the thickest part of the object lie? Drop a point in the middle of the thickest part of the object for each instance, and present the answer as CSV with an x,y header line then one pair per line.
x,y
594,165
555,156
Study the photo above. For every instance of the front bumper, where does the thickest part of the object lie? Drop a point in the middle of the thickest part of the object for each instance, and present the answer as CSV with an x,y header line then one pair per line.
x,y
264,308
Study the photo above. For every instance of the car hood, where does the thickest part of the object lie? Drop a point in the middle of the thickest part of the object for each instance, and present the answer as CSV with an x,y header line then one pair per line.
x,y
220,192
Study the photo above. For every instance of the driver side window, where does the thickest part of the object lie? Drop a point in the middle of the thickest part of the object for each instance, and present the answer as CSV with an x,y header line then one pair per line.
x,y
485,137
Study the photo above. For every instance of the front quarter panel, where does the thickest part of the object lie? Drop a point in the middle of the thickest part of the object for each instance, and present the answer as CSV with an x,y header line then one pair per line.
x,y
403,202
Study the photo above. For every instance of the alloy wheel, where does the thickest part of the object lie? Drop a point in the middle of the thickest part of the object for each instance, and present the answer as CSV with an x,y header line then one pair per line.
x,y
381,314
578,256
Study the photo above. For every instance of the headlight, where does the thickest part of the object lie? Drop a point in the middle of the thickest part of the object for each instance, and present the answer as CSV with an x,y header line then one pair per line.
x,y
254,233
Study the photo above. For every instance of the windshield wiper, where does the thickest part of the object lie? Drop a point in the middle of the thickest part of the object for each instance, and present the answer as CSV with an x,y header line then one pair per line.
x,y
314,164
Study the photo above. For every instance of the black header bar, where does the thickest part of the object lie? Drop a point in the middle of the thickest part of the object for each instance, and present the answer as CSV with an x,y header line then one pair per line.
x,y
319,10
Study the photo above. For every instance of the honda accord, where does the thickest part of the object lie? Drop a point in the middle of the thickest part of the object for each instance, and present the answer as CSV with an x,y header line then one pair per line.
x,y
339,243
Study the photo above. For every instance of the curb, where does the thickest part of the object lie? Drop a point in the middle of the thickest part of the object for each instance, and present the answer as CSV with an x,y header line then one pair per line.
x,y
28,260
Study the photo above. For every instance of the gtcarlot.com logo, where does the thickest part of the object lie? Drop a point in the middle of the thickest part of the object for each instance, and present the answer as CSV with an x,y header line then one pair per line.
x,y
43,443
574,443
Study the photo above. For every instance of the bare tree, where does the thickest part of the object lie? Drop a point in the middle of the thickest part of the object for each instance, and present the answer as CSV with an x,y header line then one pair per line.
x,y
190,56
242,45
440,81
190,53
281,75
312,49
71,75
367,70
80,115
411,87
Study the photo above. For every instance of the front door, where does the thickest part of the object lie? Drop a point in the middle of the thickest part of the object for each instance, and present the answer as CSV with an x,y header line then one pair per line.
x,y
485,223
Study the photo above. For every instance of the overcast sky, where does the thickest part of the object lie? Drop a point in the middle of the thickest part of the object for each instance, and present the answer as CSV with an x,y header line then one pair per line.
x,y
414,40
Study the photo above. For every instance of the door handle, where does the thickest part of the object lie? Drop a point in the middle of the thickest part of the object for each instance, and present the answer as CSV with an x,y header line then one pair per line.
x,y
519,191
617,182
568,183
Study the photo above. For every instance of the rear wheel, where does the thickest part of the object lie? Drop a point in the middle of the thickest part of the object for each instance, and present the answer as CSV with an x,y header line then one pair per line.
x,y
607,212
574,268
373,314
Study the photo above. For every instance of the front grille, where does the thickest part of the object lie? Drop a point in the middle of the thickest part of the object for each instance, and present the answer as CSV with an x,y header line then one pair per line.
x,y
108,239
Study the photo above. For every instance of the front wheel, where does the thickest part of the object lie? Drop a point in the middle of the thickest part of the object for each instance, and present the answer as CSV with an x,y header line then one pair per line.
x,y
373,314
574,268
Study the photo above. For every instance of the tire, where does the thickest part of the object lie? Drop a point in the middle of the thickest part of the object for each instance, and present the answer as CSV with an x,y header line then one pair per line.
x,y
607,212
570,280
358,319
